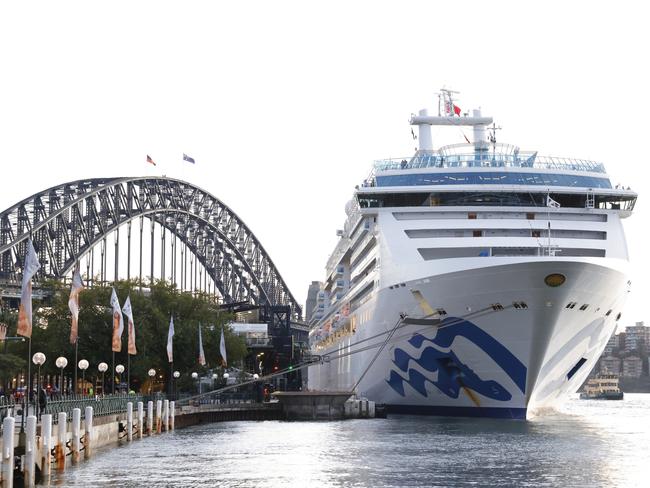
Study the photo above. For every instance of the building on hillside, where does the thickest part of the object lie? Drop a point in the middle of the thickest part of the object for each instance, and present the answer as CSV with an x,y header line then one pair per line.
x,y
312,298
612,345
610,364
637,338
632,366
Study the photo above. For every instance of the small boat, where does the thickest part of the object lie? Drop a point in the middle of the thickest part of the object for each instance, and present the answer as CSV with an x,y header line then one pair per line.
x,y
602,387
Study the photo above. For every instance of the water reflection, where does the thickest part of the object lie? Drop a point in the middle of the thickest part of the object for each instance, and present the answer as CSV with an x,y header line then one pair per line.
x,y
588,444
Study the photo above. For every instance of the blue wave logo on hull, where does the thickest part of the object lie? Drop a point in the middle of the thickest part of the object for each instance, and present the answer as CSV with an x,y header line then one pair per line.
x,y
452,373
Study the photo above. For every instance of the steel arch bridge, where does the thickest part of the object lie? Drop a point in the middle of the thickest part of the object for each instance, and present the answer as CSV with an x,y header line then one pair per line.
x,y
73,221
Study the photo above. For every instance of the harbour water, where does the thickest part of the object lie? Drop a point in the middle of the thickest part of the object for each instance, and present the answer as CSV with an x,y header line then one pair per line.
x,y
586,444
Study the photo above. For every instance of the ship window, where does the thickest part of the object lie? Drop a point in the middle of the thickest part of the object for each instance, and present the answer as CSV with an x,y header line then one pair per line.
x,y
471,215
477,233
608,313
571,305
536,233
584,306
530,216
496,306
575,369
618,316
441,311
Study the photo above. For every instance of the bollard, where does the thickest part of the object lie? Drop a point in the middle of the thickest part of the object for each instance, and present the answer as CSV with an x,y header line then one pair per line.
x,y
166,415
46,445
140,419
76,434
150,417
7,458
59,450
158,416
129,421
30,451
88,432
172,414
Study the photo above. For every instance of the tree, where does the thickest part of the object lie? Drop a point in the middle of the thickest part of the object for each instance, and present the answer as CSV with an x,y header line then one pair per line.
x,y
152,308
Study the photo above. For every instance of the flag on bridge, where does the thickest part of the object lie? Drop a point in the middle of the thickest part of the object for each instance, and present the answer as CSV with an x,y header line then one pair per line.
x,y
170,341
73,303
150,161
25,309
222,350
118,323
201,353
188,159
126,309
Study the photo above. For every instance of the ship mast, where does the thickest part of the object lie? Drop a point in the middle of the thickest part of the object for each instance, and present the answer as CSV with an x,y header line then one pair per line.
x,y
450,116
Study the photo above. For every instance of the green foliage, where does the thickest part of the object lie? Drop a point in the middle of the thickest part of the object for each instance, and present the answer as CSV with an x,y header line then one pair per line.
x,y
152,308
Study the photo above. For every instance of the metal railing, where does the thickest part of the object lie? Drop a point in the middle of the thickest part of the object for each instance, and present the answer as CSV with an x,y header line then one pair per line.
x,y
489,159
102,405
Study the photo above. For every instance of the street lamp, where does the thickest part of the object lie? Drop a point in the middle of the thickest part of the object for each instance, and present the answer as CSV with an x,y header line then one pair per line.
x,y
102,367
38,359
225,377
83,366
195,375
256,377
61,363
177,374
119,369
152,374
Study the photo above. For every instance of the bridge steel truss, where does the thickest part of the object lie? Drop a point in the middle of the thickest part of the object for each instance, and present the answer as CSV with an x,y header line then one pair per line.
x,y
69,221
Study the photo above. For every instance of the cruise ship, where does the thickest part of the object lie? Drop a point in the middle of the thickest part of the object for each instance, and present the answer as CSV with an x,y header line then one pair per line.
x,y
476,279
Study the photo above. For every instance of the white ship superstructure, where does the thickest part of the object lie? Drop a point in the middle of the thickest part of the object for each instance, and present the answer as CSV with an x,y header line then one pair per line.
x,y
473,279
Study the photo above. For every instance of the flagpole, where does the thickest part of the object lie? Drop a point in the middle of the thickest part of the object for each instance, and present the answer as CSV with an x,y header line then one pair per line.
x,y
113,373
128,372
76,353
28,386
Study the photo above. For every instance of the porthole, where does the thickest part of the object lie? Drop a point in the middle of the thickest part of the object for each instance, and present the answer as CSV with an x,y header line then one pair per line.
x,y
555,279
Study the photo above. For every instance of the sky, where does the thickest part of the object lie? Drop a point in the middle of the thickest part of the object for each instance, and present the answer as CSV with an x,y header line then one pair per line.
x,y
285,104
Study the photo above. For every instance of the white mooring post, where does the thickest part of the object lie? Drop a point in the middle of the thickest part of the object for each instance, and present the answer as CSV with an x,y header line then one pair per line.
x,y
76,434
158,416
140,419
30,451
88,431
166,415
172,414
7,475
129,421
150,417
46,445
61,440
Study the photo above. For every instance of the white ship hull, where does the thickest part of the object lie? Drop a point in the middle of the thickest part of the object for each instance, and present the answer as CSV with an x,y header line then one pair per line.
x,y
481,361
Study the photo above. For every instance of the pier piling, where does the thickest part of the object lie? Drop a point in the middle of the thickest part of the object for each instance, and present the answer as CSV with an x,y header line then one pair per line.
x,y
7,475
129,421
46,445
88,431
59,450
150,417
172,414
76,434
30,451
140,419
166,415
158,416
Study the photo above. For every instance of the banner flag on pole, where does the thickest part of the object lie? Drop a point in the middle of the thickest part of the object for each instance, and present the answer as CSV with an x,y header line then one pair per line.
x,y
222,350
118,323
73,303
25,309
551,203
170,341
201,353
188,159
150,161
131,330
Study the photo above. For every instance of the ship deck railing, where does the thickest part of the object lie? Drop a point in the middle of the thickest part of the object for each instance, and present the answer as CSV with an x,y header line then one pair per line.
x,y
488,160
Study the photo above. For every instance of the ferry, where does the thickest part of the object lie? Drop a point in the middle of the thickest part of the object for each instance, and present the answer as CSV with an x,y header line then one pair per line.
x,y
472,279
602,387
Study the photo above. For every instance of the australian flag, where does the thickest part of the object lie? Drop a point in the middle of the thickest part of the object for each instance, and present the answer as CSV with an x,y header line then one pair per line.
x,y
188,159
